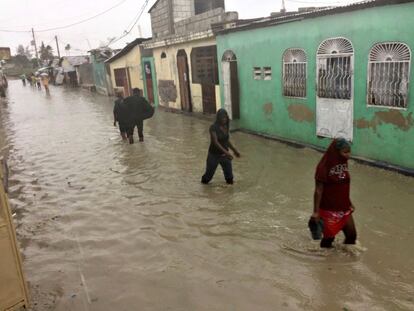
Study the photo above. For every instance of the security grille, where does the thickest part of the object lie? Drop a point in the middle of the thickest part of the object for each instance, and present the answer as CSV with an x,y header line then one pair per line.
x,y
294,73
388,75
335,69
257,73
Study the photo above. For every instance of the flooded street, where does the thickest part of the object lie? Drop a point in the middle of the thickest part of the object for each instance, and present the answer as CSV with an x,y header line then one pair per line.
x,y
108,226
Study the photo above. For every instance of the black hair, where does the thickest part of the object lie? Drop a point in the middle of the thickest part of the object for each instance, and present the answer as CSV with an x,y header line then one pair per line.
x,y
222,113
136,91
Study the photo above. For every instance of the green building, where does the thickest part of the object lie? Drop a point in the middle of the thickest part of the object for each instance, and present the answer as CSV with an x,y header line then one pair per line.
x,y
335,72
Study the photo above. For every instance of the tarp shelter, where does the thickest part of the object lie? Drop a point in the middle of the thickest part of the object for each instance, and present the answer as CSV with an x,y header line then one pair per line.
x,y
13,290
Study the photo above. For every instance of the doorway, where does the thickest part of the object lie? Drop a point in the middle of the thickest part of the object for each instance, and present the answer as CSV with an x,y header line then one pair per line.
x,y
335,84
231,85
122,79
149,82
184,81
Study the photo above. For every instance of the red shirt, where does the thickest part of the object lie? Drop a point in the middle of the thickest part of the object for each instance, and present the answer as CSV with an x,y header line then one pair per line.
x,y
333,172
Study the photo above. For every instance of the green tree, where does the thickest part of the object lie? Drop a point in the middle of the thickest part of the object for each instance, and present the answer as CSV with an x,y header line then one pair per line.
x,y
46,52
20,50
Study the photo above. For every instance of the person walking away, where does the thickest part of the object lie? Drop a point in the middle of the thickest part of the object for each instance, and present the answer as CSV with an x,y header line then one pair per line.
x,y
33,81
23,78
38,83
332,203
45,82
138,110
218,152
120,114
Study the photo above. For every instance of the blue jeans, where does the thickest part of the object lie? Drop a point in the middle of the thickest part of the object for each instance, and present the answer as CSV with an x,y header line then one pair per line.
x,y
213,160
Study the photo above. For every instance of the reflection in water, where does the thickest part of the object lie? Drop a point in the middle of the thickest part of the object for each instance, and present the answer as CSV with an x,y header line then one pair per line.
x,y
106,226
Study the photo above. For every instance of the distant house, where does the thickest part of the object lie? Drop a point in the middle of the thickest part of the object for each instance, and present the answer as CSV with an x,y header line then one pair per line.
x,y
70,67
125,67
101,73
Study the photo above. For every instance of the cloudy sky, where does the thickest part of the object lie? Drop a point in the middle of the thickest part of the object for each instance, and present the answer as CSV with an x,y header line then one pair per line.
x,y
17,17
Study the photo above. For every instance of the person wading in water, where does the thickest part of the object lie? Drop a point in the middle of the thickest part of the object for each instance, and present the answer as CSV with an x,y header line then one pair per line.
x,y
120,114
218,152
332,203
138,110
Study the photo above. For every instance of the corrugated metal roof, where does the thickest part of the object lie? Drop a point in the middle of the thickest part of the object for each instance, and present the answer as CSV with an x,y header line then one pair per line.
x,y
273,21
127,49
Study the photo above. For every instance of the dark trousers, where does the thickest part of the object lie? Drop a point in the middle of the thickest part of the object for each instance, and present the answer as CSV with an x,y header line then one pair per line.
x,y
350,235
140,125
213,160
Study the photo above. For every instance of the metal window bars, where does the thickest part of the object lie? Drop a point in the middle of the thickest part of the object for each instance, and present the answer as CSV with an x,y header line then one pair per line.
x,y
335,69
388,75
294,73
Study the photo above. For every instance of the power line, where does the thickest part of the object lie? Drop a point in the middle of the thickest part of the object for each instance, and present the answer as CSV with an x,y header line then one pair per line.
x,y
137,18
72,24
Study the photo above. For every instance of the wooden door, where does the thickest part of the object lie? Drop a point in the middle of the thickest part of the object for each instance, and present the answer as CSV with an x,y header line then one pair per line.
x,y
121,80
235,94
209,98
184,81
149,82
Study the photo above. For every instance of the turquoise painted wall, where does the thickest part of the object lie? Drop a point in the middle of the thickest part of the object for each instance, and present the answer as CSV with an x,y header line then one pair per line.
x,y
380,134
99,71
154,78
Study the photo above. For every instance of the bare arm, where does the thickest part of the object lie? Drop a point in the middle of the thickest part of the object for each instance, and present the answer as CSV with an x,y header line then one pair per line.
x,y
215,141
317,197
234,149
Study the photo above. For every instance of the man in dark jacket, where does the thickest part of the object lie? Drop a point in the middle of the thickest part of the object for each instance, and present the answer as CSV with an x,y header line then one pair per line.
x,y
138,110
121,114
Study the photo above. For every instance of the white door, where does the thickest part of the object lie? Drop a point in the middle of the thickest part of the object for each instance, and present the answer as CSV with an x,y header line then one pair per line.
x,y
334,103
225,65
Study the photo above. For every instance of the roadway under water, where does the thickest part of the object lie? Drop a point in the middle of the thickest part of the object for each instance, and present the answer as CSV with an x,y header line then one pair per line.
x,y
108,226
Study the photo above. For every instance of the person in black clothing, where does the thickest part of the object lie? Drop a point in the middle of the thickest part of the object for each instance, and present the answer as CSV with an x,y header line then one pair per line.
x,y
138,110
120,114
218,152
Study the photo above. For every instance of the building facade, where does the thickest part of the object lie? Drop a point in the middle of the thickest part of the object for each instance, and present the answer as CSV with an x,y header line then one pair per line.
x,y
339,72
126,69
185,53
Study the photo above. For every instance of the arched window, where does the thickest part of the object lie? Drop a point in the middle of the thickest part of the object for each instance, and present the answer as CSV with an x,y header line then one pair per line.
x,y
335,62
388,75
294,73
163,55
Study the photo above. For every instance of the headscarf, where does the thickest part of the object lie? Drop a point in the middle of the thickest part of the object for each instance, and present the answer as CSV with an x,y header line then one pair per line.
x,y
221,113
331,158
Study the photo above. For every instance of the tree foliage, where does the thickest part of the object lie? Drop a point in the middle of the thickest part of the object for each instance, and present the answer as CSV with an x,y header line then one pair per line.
x,y
46,52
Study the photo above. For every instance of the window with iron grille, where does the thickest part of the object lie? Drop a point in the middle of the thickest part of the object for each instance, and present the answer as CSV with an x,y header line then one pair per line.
x,y
257,73
294,73
335,69
388,75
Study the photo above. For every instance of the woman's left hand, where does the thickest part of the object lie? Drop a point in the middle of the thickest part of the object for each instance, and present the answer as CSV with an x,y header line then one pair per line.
x,y
352,208
237,154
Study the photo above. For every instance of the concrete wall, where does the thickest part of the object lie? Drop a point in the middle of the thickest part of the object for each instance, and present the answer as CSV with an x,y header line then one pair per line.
x,y
182,9
381,134
167,75
132,61
162,19
86,75
100,76
202,22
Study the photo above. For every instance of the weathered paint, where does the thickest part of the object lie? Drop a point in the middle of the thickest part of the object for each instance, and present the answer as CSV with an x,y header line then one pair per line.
x,y
100,76
154,79
167,71
132,61
380,134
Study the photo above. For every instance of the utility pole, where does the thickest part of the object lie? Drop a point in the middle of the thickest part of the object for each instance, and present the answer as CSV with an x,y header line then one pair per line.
x,y
35,45
283,7
57,46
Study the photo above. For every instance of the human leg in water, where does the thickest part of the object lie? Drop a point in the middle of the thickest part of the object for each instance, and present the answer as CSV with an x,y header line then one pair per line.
x,y
211,167
350,232
227,167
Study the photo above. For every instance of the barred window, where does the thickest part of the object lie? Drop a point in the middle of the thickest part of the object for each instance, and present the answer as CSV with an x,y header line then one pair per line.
x,y
267,73
335,64
294,73
388,75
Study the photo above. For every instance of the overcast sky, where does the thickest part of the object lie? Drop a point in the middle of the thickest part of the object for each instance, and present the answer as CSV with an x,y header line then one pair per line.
x,y
22,15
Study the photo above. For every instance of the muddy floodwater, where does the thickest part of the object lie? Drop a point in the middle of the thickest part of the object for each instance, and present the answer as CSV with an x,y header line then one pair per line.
x,y
107,226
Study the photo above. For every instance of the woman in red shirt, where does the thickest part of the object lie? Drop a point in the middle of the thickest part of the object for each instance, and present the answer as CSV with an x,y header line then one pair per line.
x,y
332,203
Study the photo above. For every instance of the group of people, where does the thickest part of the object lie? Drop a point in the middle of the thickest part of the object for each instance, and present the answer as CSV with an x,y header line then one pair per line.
x,y
36,80
131,112
333,209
